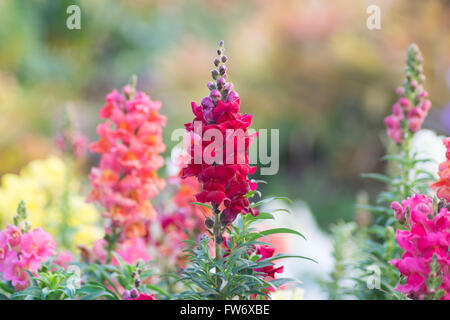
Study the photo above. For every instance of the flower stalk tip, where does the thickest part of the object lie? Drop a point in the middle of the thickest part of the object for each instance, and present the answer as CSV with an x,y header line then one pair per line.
x,y
409,112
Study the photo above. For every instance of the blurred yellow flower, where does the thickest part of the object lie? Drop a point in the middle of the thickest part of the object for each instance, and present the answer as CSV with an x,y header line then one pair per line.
x,y
287,294
53,202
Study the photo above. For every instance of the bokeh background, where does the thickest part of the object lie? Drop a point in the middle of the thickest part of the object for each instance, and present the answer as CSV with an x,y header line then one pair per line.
x,y
309,68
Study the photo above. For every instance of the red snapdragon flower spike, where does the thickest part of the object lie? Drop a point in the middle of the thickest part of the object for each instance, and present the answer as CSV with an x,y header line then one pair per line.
x,y
409,112
224,179
442,186
133,294
130,144
267,252
264,251
427,237
144,296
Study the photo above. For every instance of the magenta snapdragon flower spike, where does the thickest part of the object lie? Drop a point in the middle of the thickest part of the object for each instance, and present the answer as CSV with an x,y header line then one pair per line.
x,y
224,177
409,112
426,241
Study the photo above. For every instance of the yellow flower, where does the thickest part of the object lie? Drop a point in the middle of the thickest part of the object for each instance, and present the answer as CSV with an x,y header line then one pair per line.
x,y
87,235
42,184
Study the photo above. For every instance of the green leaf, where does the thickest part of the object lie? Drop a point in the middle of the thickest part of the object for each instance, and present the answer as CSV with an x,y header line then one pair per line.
x,y
202,205
394,157
268,200
424,160
122,263
3,297
5,287
281,230
377,177
157,289
260,216
93,291
285,256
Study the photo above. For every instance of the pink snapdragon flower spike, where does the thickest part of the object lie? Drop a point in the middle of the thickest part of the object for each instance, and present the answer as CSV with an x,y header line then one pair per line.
x,y
71,141
409,112
36,246
4,250
224,178
130,144
14,271
23,249
130,250
426,242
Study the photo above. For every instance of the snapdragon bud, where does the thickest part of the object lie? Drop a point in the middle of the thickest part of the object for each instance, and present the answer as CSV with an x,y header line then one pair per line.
x,y
214,95
207,103
232,96
134,293
220,83
219,239
209,223
224,59
216,62
222,69
137,283
228,87
214,74
211,85
400,91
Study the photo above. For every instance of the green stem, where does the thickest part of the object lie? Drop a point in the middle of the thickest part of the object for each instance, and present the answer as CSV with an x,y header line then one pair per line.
x,y
65,206
217,232
111,240
407,167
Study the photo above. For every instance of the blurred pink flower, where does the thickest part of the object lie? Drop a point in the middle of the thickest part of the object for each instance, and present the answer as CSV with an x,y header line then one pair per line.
x,y
412,106
36,246
63,258
14,270
23,251
130,144
132,250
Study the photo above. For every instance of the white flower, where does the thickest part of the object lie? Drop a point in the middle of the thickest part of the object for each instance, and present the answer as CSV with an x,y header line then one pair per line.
x,y
317,246
428,145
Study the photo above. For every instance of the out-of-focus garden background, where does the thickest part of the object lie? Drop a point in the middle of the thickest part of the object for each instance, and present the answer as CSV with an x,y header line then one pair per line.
x,y
310,68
